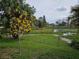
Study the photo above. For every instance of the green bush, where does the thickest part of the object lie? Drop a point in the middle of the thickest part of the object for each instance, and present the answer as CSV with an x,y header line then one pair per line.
x,y
75,44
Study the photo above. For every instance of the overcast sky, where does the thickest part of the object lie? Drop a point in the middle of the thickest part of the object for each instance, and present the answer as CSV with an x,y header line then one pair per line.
x,y
52,9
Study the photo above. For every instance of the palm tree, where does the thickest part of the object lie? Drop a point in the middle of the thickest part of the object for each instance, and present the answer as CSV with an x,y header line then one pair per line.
x,y
75,16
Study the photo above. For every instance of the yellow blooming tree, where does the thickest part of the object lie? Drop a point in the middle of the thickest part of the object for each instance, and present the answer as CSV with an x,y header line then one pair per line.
x,y
20,25
19,17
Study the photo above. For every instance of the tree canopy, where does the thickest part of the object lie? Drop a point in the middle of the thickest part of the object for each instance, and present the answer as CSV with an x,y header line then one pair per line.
x,y
75,15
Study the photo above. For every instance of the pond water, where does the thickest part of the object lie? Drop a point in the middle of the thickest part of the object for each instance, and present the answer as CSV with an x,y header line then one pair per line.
x,y
68,33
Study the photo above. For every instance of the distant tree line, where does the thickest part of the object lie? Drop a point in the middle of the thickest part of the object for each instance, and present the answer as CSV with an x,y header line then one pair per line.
x,y
40,22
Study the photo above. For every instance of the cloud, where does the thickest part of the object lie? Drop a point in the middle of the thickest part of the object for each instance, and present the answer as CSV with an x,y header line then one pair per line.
x,y
61,9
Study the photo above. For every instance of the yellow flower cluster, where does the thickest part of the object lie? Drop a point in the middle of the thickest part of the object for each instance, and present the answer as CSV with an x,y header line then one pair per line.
x,y
20,24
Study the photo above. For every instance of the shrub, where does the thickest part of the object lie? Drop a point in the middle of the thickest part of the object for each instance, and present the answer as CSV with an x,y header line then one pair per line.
x,y
75,44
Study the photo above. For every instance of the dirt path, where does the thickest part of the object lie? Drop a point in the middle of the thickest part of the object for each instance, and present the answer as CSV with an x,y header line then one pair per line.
x,y
5,53
64,39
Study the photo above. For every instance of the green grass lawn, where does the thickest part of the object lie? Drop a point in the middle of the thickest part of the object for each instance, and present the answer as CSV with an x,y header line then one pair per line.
x,y
38,46
42,31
